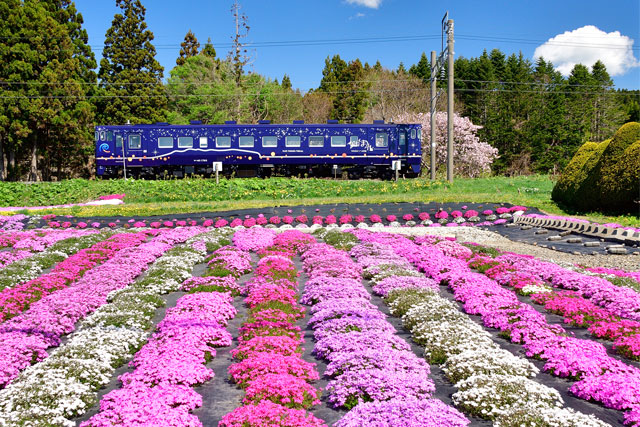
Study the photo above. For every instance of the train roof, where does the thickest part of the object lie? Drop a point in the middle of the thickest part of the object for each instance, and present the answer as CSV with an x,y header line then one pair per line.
x,y
265,123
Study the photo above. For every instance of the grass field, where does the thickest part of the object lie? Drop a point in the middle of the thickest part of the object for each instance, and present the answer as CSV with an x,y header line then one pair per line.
x,y
200,195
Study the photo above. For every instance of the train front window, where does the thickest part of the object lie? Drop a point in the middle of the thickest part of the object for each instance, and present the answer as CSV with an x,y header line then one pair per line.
x,y
338,141
413,134
419,134
292,141
269,141
109,135
246,141
118,141
223,141
382,140
97,135
135,142
102,136
316,141
185,142
165,142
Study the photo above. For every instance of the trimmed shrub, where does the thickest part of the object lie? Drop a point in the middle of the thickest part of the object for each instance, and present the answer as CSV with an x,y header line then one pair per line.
x,y
603,176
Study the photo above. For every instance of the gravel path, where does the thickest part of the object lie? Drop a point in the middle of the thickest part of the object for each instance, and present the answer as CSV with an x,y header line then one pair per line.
x,y
495,240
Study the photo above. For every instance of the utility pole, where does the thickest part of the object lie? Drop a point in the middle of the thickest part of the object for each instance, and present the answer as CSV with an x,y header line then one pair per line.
x,y
437,67
450,102
434,96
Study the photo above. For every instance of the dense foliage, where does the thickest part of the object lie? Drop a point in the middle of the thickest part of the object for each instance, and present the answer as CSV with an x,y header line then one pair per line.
x,y
604,176
535,117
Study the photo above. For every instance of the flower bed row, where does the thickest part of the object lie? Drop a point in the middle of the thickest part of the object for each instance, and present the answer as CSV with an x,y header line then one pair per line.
x,y
25,244
621,301
492,383
104,341
12,222
269,366
373,371
159,391
25,338
576,310
32,266
14,301
599,376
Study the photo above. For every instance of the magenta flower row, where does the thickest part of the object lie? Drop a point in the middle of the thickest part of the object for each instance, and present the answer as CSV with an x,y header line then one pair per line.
x,y
276,380
25,338
159,390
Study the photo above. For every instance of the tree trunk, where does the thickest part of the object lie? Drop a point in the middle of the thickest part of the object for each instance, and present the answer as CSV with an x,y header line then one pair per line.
x,y
2,168
12,166
33,169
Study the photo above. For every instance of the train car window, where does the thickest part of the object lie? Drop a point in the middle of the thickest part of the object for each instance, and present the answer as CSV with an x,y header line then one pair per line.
x,y
292,141
338,141
185,142
97,135
118,141
135,142
316,141
402,139
204,142
413,134
246,141
382,140
102,136
109,135
269,141
165,142
354,141
223,141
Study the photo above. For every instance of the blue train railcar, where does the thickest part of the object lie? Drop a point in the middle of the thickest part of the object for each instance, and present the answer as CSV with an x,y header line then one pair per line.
x,y
244,150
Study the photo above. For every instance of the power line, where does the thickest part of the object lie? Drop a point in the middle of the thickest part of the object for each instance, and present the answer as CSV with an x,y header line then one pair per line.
x,y
265,95
415,79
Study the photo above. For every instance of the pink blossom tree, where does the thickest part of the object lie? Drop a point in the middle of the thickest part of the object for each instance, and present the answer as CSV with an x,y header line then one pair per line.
x,y
473,157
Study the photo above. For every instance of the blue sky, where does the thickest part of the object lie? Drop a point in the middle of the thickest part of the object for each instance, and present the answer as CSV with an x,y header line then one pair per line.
x,y
609,31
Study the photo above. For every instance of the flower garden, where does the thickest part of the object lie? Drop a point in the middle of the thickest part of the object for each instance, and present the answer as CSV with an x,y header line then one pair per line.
x,y
316,321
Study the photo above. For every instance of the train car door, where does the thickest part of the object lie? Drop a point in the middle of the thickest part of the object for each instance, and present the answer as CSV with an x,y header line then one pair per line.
x,y
402,142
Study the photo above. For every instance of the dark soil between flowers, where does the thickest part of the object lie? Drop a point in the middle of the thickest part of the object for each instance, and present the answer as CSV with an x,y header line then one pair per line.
x,y
562,385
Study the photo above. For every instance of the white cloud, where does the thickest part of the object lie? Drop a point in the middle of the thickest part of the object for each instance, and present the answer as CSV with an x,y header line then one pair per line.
x,y
587,45
357,16
374,4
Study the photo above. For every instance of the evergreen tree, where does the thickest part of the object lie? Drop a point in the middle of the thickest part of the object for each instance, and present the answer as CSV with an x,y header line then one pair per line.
x,y
422,69
286,82
189,47
608,112
130,75
343,82
401,70
46,121
208,49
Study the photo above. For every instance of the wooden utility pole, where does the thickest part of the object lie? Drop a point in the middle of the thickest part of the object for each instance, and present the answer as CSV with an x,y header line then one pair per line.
x,y
450,101
434,98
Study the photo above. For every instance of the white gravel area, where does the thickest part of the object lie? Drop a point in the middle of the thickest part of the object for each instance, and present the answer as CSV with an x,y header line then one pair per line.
x,y
495,240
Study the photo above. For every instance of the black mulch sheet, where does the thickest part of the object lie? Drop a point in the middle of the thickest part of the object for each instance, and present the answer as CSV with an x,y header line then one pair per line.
x,y
512,232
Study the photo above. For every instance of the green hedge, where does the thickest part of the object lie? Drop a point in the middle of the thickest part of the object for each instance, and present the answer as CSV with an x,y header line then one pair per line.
x,y
603,176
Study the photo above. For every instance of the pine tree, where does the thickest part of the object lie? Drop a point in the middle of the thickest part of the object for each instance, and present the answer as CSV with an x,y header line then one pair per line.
x,y
189,47
208,49
130,75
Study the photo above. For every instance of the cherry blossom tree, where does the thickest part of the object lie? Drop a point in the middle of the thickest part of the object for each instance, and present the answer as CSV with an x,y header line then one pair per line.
x,y
472,157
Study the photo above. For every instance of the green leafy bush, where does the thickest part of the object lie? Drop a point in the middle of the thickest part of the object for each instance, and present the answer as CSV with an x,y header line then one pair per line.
x,y
603,176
